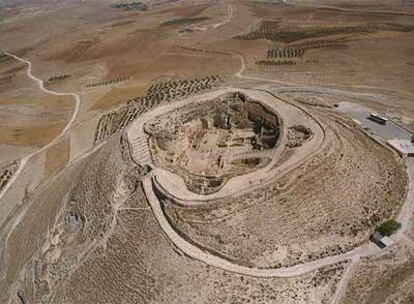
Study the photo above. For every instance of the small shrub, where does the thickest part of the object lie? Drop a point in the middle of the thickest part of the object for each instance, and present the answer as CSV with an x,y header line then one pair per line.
x,y
389,227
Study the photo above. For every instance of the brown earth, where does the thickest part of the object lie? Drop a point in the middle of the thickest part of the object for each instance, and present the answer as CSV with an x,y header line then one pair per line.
x,y
270,227
30,135
57,157
88,235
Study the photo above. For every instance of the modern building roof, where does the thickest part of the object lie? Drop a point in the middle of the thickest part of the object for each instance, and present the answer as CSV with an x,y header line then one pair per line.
x,y
403,146
387,241
380,240
376,115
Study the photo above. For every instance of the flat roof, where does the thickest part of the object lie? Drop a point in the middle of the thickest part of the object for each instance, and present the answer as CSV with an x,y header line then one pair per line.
x,y
387,241
404,146
379,116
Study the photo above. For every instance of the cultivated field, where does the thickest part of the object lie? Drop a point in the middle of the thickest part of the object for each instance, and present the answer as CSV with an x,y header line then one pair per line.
x,y
205,151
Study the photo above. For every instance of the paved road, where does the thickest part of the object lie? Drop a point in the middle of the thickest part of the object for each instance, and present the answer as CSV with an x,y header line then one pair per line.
x,y
391,130
58,137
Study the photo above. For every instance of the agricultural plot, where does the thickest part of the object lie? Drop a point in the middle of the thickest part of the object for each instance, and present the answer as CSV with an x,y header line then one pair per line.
x,y
271,31
296,53
286,53
157,94
182,185
184,21
7,172
265,30
106,82
170,90
131,6
267,63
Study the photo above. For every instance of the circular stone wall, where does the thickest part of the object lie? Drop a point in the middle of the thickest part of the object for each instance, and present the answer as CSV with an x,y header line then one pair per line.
x,y
210,142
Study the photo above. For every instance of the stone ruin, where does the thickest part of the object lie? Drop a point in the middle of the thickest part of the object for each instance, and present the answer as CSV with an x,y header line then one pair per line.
x,y
210,142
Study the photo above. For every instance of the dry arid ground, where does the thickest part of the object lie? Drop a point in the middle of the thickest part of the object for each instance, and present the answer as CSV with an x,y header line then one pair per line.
x,y
198,151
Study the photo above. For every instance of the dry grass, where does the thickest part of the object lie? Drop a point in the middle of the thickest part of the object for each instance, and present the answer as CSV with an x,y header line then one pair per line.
x,y
343,189
57,157
30,135
385,279
117,96
89,236
116,252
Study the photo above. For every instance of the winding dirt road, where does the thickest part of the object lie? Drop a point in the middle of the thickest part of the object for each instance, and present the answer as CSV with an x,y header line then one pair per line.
x,y
68,126
365,250
227,20
221,23
206,257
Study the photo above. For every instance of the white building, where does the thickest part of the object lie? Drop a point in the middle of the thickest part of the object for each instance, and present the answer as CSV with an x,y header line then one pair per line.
x,y
404,147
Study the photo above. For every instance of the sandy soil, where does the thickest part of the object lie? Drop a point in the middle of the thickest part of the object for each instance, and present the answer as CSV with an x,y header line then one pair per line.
x,y
75,225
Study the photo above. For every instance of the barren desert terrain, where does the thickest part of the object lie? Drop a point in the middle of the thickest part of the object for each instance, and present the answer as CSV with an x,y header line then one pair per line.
x,y
209,151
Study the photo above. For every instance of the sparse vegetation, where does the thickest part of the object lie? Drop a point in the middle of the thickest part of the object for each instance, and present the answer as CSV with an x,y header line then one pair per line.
x,y
7,79
276,62
128,6
270,31
265,30
3,57
158,93
294,54
289,52
7,172
184,21
106,82
58,78
389,227
140,164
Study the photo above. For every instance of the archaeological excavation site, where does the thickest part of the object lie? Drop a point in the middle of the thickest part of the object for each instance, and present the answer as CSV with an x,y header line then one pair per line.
x,y
213,141
198,152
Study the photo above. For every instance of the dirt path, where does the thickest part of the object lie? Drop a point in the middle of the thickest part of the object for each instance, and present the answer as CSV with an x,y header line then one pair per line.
x,y
240,75
343,283
175,185
354,255
407,209
227,20
41,186
219,24
68,126
204,256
